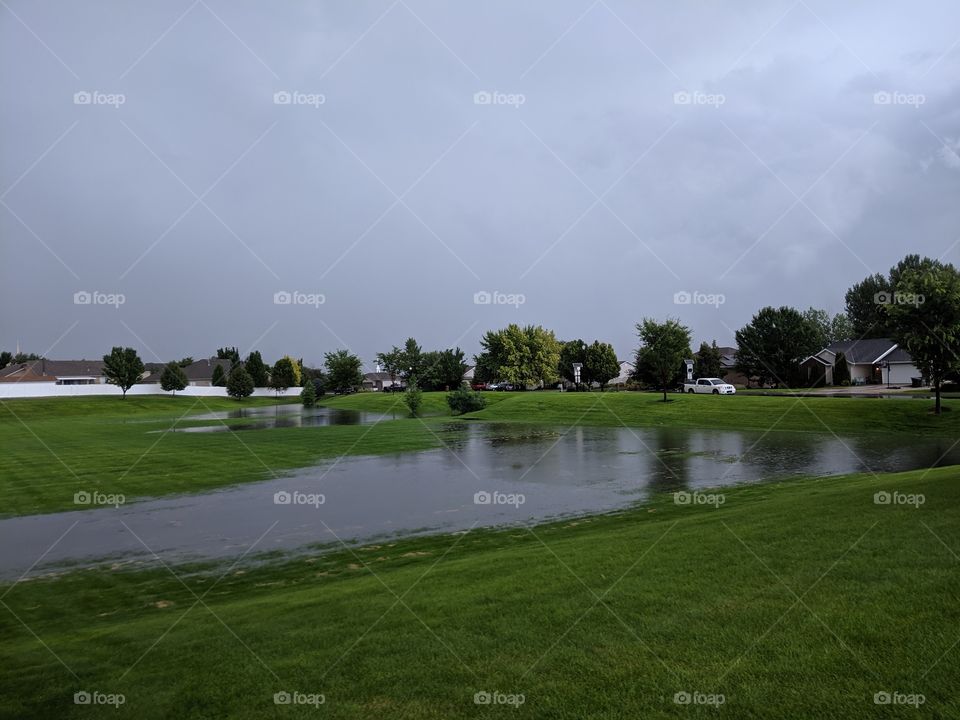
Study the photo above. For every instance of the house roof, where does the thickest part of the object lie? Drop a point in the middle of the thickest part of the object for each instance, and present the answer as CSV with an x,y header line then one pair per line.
x,y
26,374
203,369
58,368
869,351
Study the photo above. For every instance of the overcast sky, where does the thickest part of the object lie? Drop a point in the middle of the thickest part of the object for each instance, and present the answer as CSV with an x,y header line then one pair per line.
x,y
194,159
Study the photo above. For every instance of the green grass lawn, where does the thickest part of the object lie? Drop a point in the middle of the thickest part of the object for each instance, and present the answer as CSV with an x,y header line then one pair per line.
x,y
792,600
51,448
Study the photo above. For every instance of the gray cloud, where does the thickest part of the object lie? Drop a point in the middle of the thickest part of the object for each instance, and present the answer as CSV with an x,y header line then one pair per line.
x,y
783,178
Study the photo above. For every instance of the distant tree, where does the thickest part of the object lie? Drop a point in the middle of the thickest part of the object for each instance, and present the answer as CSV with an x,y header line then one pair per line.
x,y
411,360
841,370
21,358
925,314
308,396
840,328
257,369
826,329
239,383
343,370
183,362
573,351
390,362
5,357
772,345
521,356
663,347
229,353
601,363
219,377
123,368
283,375
484,369
173,378
444,369
413,396
706,362
867,316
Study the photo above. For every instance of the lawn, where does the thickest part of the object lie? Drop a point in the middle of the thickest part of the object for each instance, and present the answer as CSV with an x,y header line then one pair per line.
x,y
52,448
792,600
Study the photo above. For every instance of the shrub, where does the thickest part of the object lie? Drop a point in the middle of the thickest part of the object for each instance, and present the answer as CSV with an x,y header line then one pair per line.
x,y
464,401
413,399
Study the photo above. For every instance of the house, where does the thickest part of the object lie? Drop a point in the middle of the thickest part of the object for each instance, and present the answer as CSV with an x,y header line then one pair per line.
x,y
376,380
871,361
728,367
61,372
200,372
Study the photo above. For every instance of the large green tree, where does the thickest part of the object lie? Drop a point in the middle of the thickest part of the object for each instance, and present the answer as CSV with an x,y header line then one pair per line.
x,y
218,378
602,364
412,361
173,378
706,362
521,356
828,329
772,345
239,383
924,312
390,362
663,347
229,353
257,369
123,368
343,370
573,351
443,369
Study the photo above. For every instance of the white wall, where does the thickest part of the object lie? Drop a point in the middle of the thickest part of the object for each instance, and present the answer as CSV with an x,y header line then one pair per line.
x,y
46,389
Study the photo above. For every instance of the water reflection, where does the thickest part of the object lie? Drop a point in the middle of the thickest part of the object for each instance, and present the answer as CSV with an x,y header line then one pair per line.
x,y
558,472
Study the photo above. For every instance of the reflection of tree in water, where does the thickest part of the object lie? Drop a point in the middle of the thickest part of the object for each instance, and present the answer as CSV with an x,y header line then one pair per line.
x,y
504,435
668,460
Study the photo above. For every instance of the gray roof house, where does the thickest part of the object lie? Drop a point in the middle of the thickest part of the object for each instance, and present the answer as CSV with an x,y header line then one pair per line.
x,y
871,360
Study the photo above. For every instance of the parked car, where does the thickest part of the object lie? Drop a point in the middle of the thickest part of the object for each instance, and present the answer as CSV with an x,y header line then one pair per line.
x,y
395,387
480,386
714,386
504,387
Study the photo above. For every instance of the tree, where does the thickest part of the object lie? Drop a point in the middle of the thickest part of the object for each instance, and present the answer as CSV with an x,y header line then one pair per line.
x,y
343,370
257,369
866,314
390,362
925,314
308,396
5,357
663,347
411,360
239,383
463,400
706,361
826,329
601,363
521,356
572,351
285,374
443,370
173,378
413,397
218,378
772,345
123,368
21,358
229,353
841,370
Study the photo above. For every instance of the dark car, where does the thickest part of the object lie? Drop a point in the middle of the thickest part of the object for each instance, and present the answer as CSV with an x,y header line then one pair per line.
x,y
395,387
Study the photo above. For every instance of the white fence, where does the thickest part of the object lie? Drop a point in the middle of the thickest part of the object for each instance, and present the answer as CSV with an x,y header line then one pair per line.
x,y
49,389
